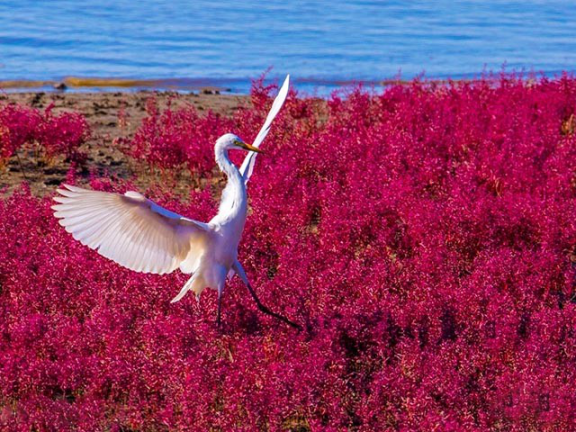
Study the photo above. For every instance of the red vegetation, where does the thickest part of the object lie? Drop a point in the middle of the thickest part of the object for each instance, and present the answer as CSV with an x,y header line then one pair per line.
x,y
63,134
425,238
18,126
56,134
173,139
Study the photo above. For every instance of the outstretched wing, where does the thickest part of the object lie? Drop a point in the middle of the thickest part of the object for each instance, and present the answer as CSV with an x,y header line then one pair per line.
x,y
248,164
129,229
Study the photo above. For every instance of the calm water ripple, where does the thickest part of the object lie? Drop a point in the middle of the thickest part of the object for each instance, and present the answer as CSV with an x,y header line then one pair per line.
x,y
320,41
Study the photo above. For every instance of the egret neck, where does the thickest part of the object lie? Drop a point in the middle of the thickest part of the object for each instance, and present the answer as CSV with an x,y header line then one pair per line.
x,y
233,206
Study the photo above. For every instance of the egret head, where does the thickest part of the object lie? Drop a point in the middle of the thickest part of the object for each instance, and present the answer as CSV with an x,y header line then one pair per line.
x,y
230,141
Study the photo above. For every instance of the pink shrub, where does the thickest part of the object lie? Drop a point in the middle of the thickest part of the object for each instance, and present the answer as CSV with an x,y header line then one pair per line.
x,y
17,127
424,237
63,134
57,134
169,139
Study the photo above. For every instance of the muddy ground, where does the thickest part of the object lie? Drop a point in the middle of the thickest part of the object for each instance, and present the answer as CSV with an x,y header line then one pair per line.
x,y
102,113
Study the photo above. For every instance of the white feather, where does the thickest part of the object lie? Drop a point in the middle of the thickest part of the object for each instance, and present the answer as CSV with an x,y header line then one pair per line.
x,y
129,229
248,165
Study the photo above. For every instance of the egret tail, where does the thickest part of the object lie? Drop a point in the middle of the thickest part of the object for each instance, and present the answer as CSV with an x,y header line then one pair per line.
x,y
192,284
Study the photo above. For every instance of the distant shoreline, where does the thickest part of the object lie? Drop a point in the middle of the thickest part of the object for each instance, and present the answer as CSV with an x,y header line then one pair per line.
x,y
88,84
236,86
185,85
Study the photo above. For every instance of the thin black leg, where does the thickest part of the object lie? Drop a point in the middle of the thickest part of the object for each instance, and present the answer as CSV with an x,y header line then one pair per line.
x,y
219,308
265,310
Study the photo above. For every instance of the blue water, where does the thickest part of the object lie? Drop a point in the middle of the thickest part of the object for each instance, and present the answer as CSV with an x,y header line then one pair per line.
x,y
318,42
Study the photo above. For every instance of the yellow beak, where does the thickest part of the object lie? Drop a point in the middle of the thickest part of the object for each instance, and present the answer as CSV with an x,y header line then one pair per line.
x,y
248,147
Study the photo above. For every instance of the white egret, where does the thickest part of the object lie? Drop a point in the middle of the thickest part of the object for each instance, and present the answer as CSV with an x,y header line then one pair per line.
x,y
140,235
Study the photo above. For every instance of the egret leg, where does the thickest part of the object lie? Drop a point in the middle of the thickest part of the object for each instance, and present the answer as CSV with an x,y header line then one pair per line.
x,y
218,321
265,310
261,307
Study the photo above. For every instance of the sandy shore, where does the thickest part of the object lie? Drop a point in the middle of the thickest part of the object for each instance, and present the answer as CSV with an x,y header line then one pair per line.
x,y
101,111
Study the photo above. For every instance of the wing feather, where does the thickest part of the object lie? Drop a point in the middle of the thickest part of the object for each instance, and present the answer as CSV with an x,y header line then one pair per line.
x,y
248,164
130,229
135,252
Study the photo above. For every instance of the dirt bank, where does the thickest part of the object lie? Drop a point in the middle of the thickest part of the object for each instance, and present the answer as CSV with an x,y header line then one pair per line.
x,y
111,116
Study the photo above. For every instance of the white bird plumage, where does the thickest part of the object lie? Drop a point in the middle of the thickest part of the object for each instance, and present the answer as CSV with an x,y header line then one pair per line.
x,y
140,235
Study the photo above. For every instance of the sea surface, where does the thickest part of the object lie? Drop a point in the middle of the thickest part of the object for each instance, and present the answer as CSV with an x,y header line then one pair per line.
x,y
322,44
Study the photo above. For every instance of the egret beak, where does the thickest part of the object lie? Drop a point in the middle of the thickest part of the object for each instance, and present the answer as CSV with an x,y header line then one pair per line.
x,y
248,147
